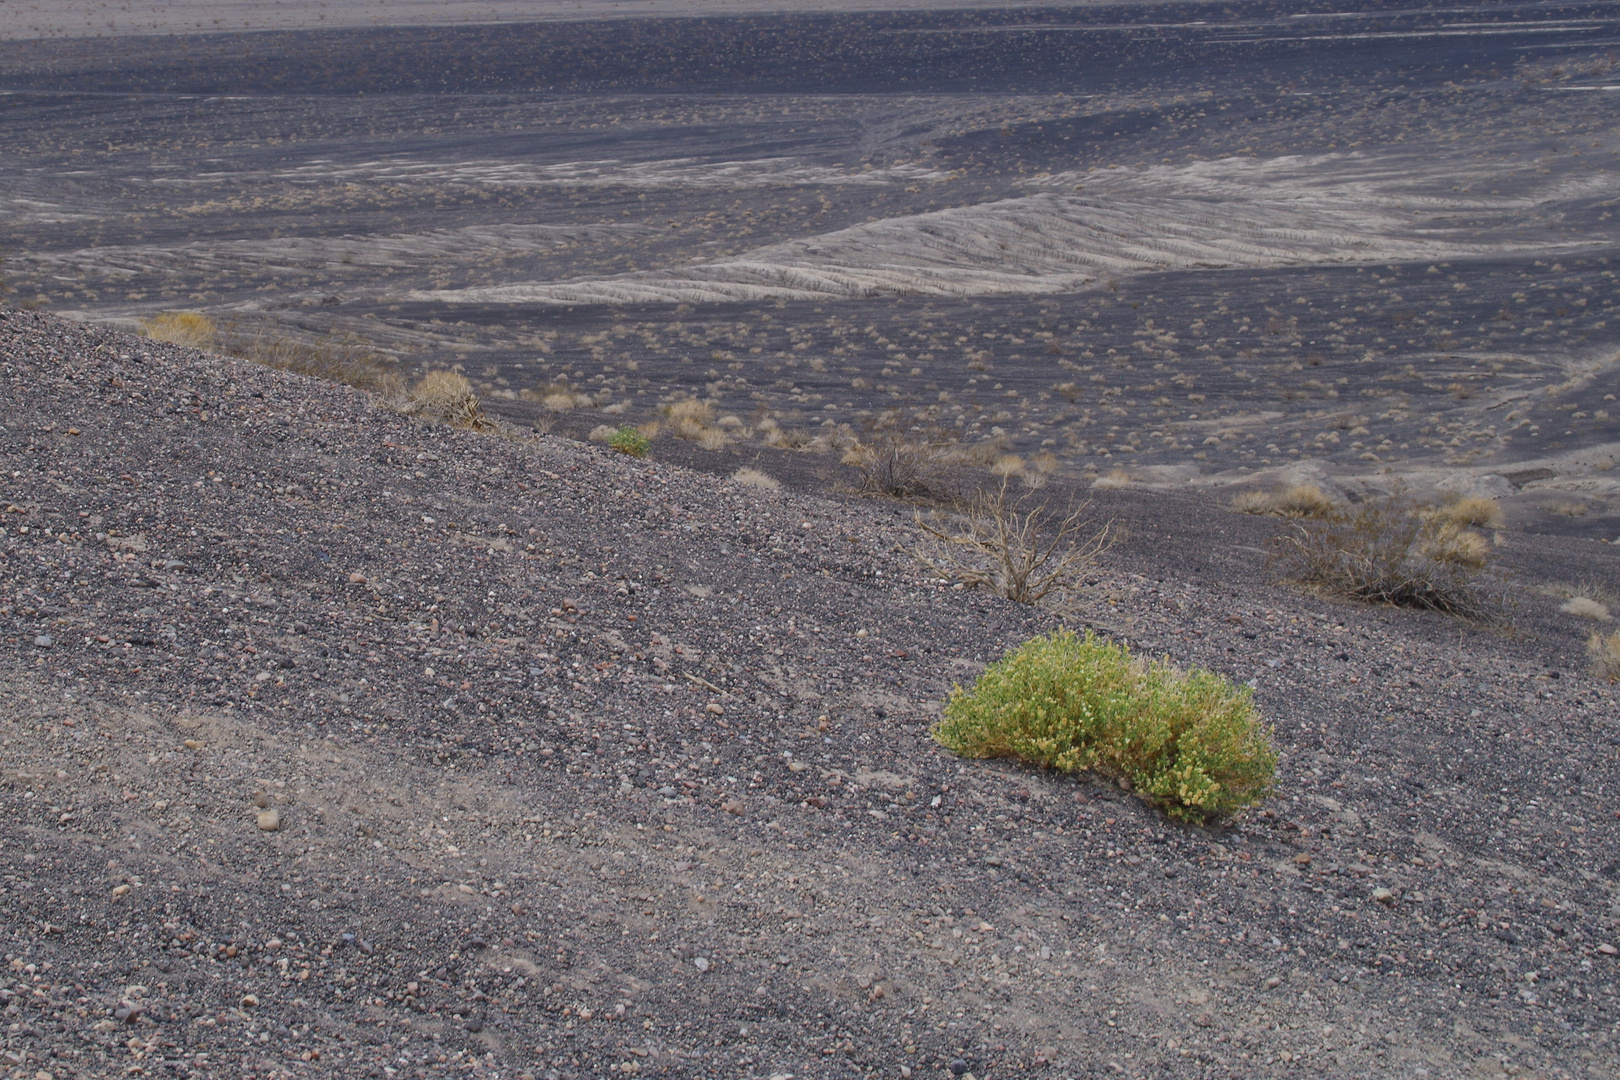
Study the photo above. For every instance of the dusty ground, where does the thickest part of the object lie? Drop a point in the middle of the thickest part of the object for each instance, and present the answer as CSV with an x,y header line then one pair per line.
x,y
584,764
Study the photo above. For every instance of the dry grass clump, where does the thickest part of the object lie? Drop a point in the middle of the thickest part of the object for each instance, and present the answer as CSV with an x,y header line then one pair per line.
x,y
447,397
1018,549
749,477
1298,501
689,419
188,329
903,460
1189,742
1391,551
1476,512
787,438
1604,649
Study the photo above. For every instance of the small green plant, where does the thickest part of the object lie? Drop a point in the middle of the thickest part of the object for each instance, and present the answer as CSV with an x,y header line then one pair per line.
x,y
629,440
1190,742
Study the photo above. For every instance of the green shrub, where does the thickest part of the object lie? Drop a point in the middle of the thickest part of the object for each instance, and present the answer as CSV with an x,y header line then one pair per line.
x,y
628,440
1189,742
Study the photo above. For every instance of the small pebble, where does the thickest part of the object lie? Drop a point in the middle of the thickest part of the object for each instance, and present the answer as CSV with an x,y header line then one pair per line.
x,y
270,820
1383,895
701,964
44,641
712,707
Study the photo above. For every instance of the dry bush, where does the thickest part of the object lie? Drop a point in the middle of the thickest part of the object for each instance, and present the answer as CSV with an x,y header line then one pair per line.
x,y
904,460
1008,465
1019,549
1478,512
602,432
1604,649
447,397
1390,551
1299,501
713,439
188,329
749,477
790,439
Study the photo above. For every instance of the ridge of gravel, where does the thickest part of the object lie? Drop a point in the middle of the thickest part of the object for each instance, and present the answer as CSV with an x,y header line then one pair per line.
x,y
340,744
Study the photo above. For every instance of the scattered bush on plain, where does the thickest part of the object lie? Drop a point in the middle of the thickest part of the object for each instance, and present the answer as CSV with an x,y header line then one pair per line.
x,y
1393,551
1015,547
1476,512
1189,742
901,459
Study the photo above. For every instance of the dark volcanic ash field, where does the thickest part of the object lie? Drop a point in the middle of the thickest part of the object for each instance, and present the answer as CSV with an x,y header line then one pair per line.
x,y
1193,242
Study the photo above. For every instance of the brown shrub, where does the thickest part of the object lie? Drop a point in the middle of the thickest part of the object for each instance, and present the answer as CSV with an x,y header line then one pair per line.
x,y
904,460
1390,551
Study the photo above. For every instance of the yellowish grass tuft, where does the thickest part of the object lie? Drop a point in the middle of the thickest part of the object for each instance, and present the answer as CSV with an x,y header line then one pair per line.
x,y
448,397
1459,546
1604,649
189,329
1481,513
754,478
1299,501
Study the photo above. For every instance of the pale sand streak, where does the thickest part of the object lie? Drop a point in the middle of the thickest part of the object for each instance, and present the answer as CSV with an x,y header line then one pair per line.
x,y
1233,213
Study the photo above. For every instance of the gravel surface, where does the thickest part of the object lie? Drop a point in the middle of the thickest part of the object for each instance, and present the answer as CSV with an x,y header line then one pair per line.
x,y
340,744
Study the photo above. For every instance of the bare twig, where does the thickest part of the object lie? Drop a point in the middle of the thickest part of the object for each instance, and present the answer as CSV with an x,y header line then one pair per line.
x,y
1020,550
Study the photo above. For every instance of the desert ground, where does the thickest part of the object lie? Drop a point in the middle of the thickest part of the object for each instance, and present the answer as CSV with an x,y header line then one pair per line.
x,y
340,742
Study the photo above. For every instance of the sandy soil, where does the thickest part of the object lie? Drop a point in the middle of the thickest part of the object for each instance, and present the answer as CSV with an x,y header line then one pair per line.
x,y
579,764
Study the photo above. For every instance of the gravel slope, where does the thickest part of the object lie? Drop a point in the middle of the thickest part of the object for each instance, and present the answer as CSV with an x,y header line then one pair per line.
x,y
581,764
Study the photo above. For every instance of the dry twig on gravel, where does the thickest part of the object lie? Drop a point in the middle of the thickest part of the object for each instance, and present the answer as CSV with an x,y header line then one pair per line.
x,y
1017,548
